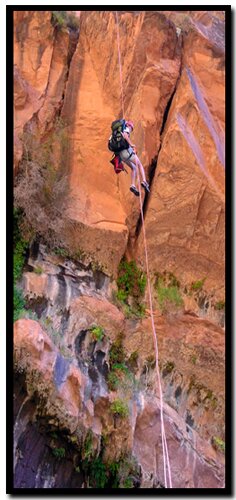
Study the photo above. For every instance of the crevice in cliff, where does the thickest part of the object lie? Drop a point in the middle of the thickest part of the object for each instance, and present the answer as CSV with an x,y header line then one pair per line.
x,y
73,42
153,165
151,173
32,125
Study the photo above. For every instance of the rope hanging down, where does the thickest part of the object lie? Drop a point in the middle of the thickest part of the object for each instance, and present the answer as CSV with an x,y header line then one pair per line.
x,y
166,462
120,65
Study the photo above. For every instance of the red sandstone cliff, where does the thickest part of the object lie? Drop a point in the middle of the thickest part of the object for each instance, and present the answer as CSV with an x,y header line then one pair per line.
x,y
185,217
173,83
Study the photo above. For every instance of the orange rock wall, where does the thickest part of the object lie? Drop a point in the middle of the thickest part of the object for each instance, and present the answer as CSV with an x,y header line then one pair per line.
x,y
40,69
184,214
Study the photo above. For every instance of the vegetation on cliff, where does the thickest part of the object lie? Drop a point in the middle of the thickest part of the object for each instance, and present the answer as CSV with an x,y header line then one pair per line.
x,y
19,256
63,19
131,284
42,189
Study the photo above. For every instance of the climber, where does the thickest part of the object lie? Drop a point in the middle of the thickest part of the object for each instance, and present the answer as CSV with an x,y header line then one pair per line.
x,y
129,157
125,151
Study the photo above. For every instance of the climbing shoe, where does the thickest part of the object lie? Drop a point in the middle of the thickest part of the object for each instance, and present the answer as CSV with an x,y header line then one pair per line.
x,y
145,185
134,190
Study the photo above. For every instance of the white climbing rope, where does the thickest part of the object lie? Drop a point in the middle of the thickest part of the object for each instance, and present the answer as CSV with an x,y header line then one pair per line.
x,y
166,461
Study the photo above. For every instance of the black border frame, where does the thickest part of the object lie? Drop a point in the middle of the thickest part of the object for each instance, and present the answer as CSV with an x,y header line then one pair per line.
x,y
228,490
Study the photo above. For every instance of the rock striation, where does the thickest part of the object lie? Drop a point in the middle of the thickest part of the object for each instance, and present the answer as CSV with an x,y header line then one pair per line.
x,y
185,215
74,397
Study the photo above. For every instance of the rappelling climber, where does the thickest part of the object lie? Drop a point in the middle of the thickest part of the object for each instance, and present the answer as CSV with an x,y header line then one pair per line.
x,y
125,151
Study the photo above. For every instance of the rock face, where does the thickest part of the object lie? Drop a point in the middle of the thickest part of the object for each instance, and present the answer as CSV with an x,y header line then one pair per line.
x,y
69,370
188,470
40,69
35,465
185,215
173,90
74,396
185,212
92,102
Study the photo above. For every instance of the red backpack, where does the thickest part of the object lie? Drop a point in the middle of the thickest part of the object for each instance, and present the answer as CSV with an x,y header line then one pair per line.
x,y
118,165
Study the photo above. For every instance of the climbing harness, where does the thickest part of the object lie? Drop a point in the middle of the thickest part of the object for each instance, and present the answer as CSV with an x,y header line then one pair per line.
x,y
166,462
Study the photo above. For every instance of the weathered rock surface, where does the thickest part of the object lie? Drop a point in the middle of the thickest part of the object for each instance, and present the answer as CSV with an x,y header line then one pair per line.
x,y
193,462
64,395
92,102
70,299
35,352
185,213
40,71
185,216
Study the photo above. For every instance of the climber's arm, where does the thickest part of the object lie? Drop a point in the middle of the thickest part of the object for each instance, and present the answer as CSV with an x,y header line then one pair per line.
x,y
126,137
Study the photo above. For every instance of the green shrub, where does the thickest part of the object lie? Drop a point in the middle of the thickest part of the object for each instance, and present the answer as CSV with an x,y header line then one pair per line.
x,y
97,333
119,408
128,483
97,473
121,295
197,285
62,252
118,474
120,366
123,472
131,280
18,303
118,376
19,259
87,450
167,295
218,443
20,245
113,381
117,353
139,311
220,305
131,285
38,270
168,279
63,19
114,468
59,18
142,282
59,452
